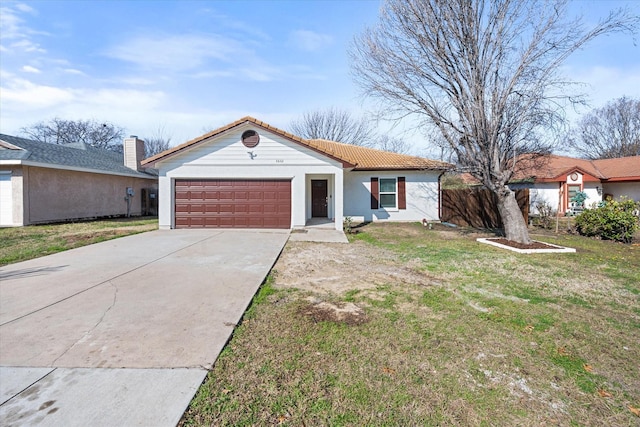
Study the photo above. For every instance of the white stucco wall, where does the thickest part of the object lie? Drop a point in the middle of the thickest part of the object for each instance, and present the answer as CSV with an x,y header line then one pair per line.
x,y
421,194
544,192
618,189
591,190
224,156
549,192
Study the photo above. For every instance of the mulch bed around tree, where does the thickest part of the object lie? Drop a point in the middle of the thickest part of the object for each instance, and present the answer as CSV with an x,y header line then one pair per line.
x,y
532,245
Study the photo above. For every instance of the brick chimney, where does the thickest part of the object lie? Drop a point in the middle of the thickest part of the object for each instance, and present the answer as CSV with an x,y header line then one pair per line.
x,y
133,152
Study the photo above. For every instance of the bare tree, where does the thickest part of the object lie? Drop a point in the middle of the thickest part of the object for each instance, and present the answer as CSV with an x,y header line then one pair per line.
x,y
91,132
334,125
393,144
485,73
157,143
340,126
610,131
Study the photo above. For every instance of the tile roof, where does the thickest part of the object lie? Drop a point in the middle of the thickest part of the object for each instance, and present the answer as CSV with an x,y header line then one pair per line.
x,y
70,155
371,159
555,168
620,169
352,156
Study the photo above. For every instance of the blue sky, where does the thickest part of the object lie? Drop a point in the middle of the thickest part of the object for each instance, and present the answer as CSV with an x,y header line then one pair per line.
x,y
189,66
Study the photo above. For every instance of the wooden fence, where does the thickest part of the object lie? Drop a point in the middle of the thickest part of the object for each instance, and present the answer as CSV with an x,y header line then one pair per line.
x,y
478,207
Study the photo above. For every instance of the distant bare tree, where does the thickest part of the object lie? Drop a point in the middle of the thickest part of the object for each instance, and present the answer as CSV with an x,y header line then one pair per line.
x,y
334,125
393,144
91,132
485,73
610,131
157,143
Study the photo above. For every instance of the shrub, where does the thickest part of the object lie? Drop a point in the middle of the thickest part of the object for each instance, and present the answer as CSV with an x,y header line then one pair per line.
x,y
347,225
546,214
612,220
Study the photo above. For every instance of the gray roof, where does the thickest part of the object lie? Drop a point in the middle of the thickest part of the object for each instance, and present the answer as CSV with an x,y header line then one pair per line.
x,y
77,155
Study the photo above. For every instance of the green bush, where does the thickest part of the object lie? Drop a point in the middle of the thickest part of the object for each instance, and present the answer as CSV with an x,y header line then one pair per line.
x,y
612,220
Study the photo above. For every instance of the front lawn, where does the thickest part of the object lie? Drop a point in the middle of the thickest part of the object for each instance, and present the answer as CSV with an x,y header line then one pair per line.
x,y
23,243
410,326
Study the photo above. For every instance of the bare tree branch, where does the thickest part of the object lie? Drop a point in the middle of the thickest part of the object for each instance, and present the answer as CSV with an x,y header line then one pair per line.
x,y
485,74
393,144
157,143
334,125
609,132
91,132
340,126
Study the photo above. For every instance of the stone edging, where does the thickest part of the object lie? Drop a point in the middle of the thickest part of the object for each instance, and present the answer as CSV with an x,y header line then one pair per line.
x,y
557,249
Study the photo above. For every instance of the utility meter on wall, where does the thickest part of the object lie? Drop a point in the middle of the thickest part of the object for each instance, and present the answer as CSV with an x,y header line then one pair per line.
x,y
129,191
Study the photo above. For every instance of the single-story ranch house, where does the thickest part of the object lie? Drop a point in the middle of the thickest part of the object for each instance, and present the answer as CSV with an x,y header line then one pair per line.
x,y
249,174
41,182
557,179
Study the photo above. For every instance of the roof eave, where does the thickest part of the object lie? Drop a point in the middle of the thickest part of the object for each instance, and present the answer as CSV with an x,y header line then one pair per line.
x,y
133,174
622,179
152,161
398,168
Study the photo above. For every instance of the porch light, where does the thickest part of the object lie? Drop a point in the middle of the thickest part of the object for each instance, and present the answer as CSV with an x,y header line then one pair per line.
x,y
599,190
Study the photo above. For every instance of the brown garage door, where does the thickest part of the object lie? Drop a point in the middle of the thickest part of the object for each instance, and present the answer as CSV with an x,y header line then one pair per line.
x,y
223,203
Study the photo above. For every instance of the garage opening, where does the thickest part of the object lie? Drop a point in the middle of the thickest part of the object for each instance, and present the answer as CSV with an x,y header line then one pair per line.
x,y
225,203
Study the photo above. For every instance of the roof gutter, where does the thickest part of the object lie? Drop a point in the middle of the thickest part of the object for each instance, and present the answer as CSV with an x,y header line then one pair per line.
x,y
440,195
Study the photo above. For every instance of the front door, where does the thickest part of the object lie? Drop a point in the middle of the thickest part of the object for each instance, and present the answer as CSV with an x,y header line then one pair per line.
x,y
319,198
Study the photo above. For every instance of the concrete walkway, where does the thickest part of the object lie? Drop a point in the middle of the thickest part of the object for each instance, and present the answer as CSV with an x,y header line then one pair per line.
x,y
320,230
123,332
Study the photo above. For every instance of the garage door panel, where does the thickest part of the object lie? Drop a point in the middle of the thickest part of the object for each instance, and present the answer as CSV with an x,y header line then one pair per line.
x,y
255,208
232,203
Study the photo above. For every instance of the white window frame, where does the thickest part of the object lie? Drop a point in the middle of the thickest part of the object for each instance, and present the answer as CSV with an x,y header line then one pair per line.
x,y
380,193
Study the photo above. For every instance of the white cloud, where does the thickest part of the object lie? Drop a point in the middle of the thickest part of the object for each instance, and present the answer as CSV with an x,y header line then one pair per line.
x,y
73,71
21,95
30,69
212,74
22,7
218,55
310,41
24,102
13,29
260,72
26,46
220,20
136,81
175,52
10,23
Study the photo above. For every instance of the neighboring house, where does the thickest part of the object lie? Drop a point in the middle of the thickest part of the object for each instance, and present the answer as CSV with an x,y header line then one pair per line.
x,y
249,174
556,179
41,182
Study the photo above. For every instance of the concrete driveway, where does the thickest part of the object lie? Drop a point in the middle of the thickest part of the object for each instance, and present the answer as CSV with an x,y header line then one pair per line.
x,y
123,332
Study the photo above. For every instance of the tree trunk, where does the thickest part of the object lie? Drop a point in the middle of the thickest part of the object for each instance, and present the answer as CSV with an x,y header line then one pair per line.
x,y
515,228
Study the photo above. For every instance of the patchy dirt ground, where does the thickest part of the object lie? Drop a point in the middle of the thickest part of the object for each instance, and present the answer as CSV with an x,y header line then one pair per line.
x,y
336,268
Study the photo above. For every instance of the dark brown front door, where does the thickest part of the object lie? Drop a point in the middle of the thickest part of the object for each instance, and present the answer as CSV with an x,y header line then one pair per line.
x,y
319,198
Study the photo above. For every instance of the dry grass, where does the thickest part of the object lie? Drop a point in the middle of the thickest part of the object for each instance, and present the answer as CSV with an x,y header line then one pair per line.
x,y
23,243
444,332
